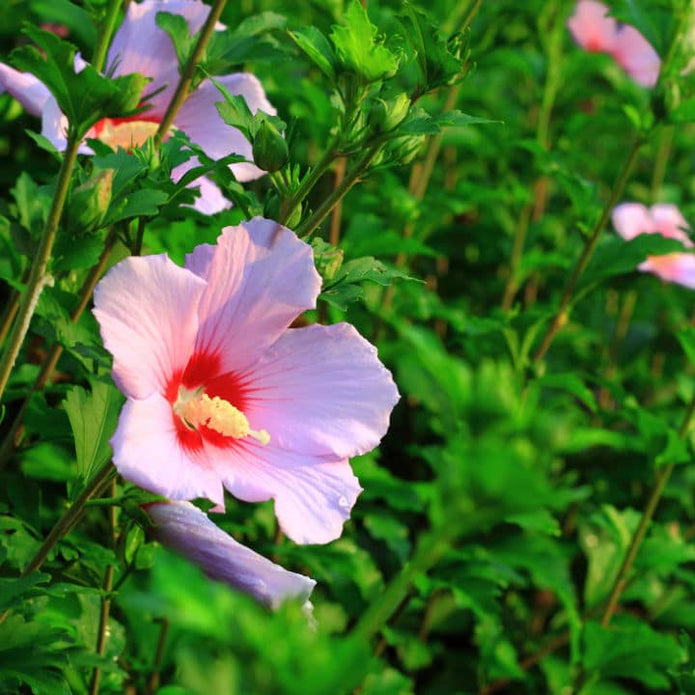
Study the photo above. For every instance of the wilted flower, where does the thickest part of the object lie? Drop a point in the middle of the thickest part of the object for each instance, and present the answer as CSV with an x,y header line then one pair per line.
x,y
633,219
188,531
139,45
221,394
595,31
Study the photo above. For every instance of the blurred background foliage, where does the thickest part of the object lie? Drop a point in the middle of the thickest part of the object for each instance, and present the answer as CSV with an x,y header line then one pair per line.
x,y
499,508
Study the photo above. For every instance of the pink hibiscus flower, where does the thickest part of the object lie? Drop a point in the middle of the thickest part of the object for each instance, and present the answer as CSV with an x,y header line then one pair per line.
x,y
221,394
595,31
139,45
632,219
188,531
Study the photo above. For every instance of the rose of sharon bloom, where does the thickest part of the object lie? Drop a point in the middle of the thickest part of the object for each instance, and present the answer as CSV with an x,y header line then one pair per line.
x,y
632,219
595,31
221,394
139,45
188,531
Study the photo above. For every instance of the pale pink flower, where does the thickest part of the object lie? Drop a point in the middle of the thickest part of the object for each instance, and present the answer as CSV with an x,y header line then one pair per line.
x,y
633,219
595,31
139,45
221,394
188,531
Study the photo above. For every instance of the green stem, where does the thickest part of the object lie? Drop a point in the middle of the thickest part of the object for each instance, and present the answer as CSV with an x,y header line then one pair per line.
x,y
352,177
104,35
662,479
430,548
562,314
51,360
310,180
107,587
67,522
37,276
71,516
188,72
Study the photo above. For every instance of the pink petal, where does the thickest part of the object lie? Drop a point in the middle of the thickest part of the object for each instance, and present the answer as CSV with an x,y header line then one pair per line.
x,y
669,221
321,390
631,220
147,451
200,120
636,56
139,45
210,201
25,88
188,531
313,495
147,310
260,278
592,28
672,267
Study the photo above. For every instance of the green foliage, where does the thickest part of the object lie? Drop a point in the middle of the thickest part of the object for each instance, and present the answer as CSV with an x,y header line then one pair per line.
x,y
84,96
448,163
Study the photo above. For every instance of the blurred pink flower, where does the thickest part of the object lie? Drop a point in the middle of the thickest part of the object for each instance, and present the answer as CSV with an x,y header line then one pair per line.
x,y
188,531
221,394
595,31
139,45
633,219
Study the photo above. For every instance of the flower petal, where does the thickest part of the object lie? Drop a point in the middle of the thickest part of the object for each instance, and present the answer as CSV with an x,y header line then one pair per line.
x,y
200,120
139,45
147,451
30,92
631,220
672,267
592,28
636,56
321,390
147,310
188,531
210,200
260,278
313,495
670,222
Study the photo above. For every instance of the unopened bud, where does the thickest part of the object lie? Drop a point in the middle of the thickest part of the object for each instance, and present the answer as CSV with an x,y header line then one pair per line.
x,y
270,151
89,203
386,115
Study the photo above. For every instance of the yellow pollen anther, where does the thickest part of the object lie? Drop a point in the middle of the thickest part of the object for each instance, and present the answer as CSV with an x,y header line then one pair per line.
x,y
219,415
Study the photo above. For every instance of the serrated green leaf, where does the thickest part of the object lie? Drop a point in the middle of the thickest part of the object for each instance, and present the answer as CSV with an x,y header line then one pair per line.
x,y
630,649
358,48
93,417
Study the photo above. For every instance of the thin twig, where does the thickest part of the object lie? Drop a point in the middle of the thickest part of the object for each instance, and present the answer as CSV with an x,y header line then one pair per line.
x,y
662,478
562,314
51,360
188,71
37,276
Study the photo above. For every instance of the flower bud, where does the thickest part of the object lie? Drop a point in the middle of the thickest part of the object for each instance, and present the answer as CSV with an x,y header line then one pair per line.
x,y
89,203
386,115
269,147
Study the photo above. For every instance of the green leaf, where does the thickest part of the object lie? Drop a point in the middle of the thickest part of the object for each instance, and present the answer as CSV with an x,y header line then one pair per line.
x,y
358,47
93,417
344,287
177,27
85,96
316,46
438,65
617,256
248,41
630,649
419,122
